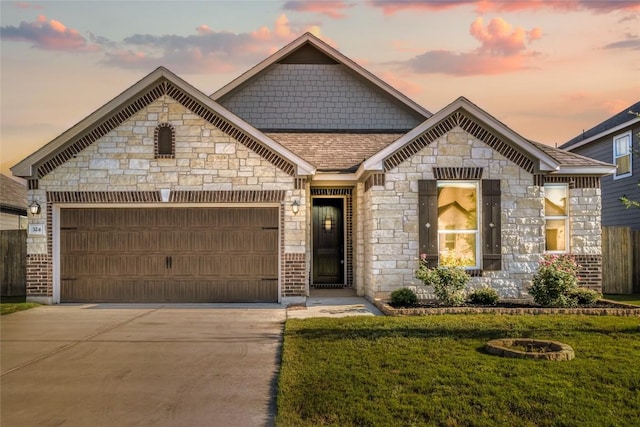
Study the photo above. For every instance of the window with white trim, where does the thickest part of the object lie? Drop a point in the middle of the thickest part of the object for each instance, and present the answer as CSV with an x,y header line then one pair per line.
x,y
458,223
556,215
622,155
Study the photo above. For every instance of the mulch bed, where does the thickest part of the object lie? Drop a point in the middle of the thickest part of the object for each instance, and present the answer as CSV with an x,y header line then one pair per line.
x,y
601,307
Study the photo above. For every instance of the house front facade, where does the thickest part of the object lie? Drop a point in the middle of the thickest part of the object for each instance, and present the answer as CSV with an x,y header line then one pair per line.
x,y
306,171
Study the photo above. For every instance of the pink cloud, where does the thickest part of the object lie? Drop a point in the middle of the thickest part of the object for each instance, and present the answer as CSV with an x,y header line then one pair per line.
x,y
503,49
48,35
26,5
390,7
333,9
206,49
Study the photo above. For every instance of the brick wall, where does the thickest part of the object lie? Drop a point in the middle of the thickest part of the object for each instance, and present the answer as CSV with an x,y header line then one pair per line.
x,y
294,275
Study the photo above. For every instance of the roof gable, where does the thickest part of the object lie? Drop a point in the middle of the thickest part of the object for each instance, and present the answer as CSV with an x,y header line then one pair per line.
x,y
613,124
530,156
158,83
308,49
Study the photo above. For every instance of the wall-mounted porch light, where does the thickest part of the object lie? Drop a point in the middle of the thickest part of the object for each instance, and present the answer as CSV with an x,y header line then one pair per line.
x,y
295,207
34,208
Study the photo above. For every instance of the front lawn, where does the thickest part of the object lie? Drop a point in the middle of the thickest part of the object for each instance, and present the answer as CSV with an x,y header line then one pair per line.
x,y
11,305
627,299
431,370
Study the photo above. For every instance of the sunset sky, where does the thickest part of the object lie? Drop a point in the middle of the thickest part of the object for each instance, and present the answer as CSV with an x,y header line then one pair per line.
x,y
547,69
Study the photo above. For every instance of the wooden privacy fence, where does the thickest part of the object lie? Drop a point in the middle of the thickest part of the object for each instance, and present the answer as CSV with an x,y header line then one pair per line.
x,y
620,260
13,269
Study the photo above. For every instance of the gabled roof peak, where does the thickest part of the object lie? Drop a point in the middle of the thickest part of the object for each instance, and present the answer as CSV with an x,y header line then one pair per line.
x,y
329,52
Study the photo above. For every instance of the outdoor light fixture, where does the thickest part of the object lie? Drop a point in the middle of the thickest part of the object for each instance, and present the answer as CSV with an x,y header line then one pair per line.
x,y
34,208
295,207
328,223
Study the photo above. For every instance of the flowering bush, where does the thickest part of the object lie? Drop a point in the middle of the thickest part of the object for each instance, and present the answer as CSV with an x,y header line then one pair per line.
x,y
556,282
448,282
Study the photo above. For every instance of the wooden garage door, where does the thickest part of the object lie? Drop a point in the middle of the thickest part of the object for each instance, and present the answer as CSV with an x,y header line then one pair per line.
x,y
169,255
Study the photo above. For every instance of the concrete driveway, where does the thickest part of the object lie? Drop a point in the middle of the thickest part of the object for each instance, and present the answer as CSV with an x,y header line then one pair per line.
x,y
141,365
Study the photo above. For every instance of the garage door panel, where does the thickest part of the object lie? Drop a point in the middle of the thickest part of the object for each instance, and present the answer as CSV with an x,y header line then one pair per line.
x,y
169,254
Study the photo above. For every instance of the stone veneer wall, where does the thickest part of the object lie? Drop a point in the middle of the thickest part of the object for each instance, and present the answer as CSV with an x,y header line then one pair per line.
x,y
206,159
391,219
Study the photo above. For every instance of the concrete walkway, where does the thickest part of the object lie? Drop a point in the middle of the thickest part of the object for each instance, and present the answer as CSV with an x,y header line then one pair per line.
x,y
333,303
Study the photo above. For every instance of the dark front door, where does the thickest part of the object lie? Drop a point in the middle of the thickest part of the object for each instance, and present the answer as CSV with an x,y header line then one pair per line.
x,y
328,241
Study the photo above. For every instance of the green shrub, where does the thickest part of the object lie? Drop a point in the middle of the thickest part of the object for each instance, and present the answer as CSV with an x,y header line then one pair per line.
x,y
484,296
555,281
585,296
448,282
403,297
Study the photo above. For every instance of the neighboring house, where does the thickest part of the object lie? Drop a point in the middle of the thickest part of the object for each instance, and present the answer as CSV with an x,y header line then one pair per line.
x,y
306,171
614,141
13,204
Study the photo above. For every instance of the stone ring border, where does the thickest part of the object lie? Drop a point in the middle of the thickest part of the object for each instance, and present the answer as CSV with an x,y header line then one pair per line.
x,y
502,347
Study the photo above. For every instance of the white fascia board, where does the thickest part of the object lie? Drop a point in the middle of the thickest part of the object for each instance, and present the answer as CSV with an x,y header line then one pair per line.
x,y
602,134
329,177
601,170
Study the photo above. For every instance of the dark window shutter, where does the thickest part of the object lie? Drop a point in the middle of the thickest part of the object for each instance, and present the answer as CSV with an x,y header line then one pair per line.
x,y
428,220
491,226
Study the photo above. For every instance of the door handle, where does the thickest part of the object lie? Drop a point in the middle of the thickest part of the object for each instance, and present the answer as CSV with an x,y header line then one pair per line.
x,y
170,262
166,262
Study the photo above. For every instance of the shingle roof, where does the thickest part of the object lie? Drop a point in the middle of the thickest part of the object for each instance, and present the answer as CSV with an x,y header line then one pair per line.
x,y
616,120
341,152
567,158
12,193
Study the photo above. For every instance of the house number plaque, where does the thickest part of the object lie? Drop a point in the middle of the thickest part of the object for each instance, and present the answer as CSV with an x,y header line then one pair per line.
x,y
37,230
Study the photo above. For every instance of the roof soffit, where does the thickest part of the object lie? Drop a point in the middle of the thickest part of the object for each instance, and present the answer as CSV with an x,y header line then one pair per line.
x,y
158,83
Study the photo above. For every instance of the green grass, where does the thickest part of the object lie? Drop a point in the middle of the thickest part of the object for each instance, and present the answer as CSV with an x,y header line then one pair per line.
x,y
12,304
432,371
628,299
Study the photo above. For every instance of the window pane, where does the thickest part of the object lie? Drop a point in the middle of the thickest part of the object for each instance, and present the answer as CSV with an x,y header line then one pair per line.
x,y
624,165
622,146
457,249
457,207
555,200
555,233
